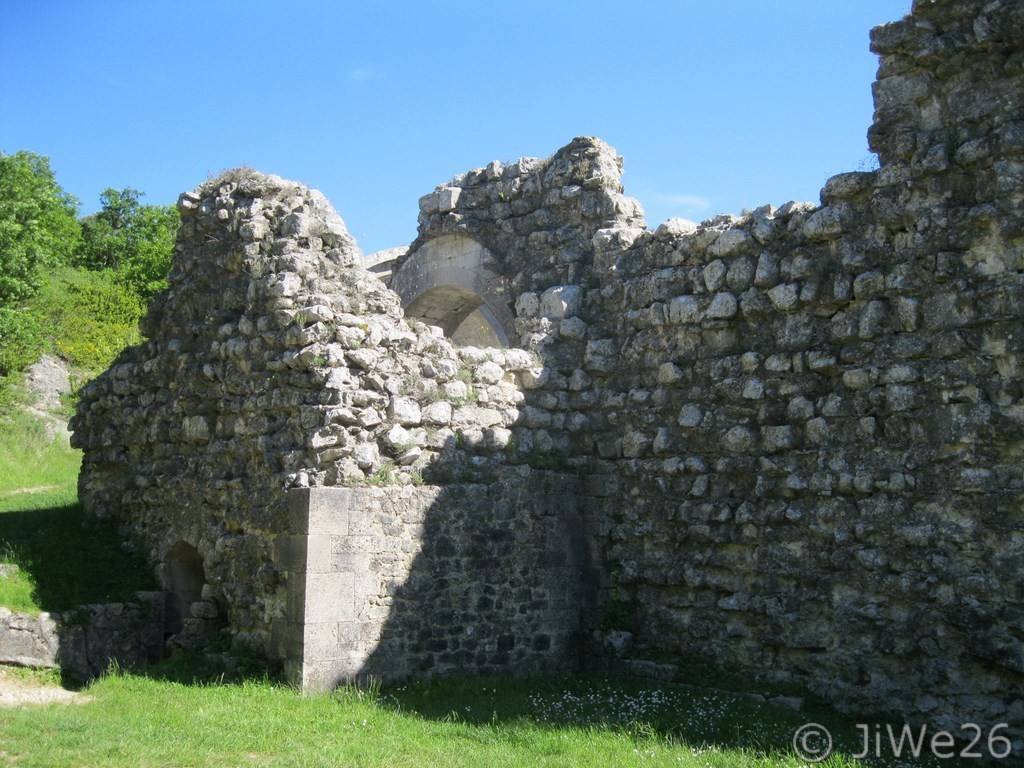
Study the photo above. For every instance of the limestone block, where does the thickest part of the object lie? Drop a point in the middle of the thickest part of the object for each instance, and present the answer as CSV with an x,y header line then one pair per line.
x,y
533,378
753,389
572,328
600,355
675,227
364,358
784,296
536,417
397,436
714,275
741,274
350,337
767,272
873,319
684,309
519,359
561,301
28,640
196,429
438,413
409,456
738,440
869,285
447,198
488,373
732,242
497,438
634,444
691,415
669,373
326,437
204,609
405,411
828,223
908,312
662,440
777,438
723,306
368,418
366,455
473,415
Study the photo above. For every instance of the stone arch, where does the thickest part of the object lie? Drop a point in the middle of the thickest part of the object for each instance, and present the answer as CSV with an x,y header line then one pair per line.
x,y
454,282
184,577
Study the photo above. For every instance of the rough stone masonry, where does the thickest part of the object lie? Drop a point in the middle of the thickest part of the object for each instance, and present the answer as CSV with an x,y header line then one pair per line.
x,y
787,445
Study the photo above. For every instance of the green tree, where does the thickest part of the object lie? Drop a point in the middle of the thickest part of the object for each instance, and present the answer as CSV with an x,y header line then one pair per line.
x,y
38,224
135,241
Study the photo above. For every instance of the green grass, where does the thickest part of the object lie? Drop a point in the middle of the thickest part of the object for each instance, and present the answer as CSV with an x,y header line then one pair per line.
x,y
30,459
64,560
581,721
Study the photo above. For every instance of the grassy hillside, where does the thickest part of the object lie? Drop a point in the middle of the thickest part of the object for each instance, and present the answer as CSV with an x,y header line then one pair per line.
x,y
63,560
81,316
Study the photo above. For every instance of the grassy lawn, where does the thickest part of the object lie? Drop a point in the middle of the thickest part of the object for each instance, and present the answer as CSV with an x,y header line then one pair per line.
x,y
581,721
63,561
184,713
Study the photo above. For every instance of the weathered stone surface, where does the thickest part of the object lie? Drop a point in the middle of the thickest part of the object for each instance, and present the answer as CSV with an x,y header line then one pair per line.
x,y
84,642
800,428
505,601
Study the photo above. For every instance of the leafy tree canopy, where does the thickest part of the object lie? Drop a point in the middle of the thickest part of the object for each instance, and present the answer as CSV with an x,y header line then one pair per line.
x,y
135,241
38,224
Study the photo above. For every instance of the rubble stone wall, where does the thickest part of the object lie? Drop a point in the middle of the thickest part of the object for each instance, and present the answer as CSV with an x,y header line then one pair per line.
x,y
798,431
814,418
84,642
435,580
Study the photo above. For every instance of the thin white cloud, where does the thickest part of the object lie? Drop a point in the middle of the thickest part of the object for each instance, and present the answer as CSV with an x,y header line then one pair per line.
x,y
360,74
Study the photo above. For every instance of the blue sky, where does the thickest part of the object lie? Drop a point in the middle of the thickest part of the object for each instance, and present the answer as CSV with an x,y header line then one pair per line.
x,y
715,106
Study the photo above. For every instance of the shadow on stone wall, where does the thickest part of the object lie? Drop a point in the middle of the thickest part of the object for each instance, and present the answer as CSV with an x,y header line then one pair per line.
x,y
390,583
88,587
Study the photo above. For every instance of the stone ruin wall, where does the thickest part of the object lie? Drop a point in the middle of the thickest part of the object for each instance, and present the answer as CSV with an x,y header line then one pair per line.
x,y
407,581
798,431
275,362
818,435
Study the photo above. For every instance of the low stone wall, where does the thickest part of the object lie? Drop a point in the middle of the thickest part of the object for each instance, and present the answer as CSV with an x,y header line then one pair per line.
x,y
84,642
394,582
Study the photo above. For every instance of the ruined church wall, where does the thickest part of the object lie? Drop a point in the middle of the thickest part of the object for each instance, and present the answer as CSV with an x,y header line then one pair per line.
x,y
798,431
274,362
398,582
811,436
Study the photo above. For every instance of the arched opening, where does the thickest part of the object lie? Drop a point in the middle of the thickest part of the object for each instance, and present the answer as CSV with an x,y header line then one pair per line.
x,y
463,316
453,282
184,577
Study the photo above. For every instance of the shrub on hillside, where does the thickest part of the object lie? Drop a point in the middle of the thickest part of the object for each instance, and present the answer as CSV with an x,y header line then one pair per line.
x,y
88,317
21,341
